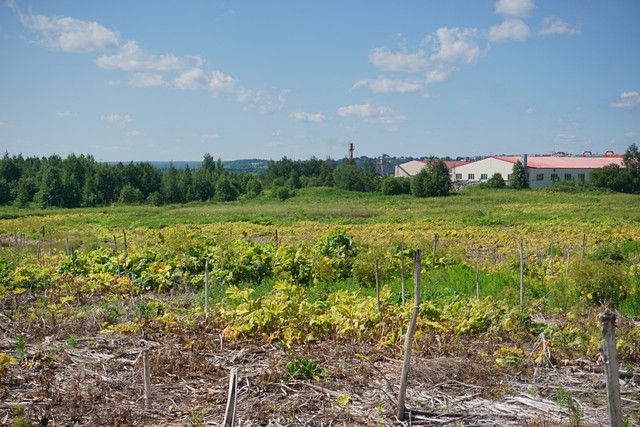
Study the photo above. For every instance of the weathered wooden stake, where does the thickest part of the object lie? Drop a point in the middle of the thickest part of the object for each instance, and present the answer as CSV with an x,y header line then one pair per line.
x,y
584,245
608,319
73,261
378,284
566,271
521,274
124,253
408,341
147,378
551,258
276,239
206,289
402,264
435,247
115,249
232,399
477,279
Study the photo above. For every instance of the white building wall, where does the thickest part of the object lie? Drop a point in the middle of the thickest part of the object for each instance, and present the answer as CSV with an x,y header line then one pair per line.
x,y
542,178
409,169
482,170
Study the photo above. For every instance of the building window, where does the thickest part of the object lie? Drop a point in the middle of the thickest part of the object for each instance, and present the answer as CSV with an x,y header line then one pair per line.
x,y
540,177
554,177
581,176
458,176
508,177
483,176
471,176
567,177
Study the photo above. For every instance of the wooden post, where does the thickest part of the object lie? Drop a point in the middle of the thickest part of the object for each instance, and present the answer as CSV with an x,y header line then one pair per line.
x,y
566,271
608,319
73,261
276,239
477,279
206,289
147,378
408,341
232,399
115,248
435,247
124,261
378,284
551,258
402,264
521,274
584,245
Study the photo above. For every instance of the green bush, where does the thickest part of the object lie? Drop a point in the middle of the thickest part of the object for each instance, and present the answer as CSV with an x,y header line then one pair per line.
x,y
599,282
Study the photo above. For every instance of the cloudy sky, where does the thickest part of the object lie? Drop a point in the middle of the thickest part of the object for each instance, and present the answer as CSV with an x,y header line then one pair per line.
x,y
167,80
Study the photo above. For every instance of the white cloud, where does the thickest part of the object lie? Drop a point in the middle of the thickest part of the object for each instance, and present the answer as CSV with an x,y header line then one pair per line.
x,y
132,59
220,82
552,25
260,101
510,29
373,114
209,137
439,74
65,114
117,119
530,110
197,78
134,133
514,8
302,116
627,100
147,80
632,134
3,125
192,79
387,85
69,34
455,44
387,60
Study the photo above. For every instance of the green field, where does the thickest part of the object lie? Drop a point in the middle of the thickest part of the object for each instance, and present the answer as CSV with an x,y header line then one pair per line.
x,y
302,272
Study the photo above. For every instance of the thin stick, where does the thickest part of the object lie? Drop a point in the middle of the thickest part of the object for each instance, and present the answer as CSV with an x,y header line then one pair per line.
x,y
115,248
409,337
435,247
232,399
206,289
402,257
551,258
124,261
584,245
147,379
477,279
378,284
521,274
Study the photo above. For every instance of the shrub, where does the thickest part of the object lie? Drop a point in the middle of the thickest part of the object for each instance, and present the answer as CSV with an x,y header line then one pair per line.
x,y
599,282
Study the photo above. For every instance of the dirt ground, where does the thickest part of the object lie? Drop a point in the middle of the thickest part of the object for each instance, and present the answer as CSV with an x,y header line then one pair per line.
x,y
97,379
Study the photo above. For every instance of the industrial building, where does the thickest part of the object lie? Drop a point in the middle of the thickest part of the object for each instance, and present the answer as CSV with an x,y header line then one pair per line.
x,y
542,171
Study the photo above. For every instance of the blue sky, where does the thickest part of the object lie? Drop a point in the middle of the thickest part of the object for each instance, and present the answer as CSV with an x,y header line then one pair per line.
x,y
166,80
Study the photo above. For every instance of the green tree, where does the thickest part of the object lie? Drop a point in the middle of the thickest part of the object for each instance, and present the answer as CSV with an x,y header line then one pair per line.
x,y
51,192
432,181
631,160
130,195
225,190
496,181
171,186
347,177
519,179
391,186
611,177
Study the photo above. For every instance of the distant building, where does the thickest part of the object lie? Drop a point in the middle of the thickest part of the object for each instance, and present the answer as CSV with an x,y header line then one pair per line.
x,y
542,171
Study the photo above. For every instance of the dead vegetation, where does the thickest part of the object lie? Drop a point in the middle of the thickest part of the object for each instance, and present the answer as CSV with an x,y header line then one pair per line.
x,y
96,379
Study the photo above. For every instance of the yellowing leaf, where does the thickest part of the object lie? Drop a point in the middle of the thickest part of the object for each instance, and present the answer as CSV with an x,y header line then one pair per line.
x,y
343,399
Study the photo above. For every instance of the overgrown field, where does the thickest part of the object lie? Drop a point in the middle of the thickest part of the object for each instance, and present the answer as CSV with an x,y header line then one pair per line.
x,y
293,304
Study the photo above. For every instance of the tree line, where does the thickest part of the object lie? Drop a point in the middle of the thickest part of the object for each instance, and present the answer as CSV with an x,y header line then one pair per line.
x,y
81,181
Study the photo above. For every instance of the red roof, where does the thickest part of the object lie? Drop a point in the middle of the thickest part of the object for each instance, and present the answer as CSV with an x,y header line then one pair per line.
x,y
551,162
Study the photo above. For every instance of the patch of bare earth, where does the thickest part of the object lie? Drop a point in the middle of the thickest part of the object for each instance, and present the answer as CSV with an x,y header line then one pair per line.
x,y
97,380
